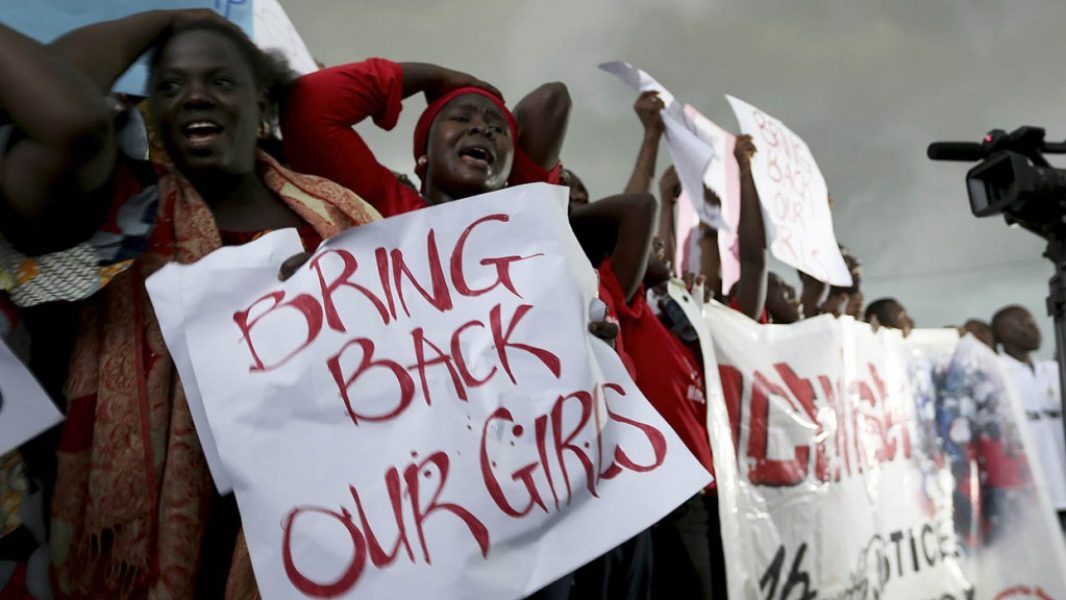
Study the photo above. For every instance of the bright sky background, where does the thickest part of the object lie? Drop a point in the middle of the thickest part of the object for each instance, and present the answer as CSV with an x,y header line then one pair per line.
x,y
867,85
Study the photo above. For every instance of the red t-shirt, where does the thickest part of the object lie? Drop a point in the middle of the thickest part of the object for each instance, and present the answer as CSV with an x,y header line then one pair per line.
x,y
668,372
764,318
317,118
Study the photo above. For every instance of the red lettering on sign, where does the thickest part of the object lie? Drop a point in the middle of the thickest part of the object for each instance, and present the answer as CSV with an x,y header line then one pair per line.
x,y
307,306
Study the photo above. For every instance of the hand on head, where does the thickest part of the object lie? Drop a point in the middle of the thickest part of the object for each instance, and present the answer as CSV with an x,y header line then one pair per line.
x,y
449,81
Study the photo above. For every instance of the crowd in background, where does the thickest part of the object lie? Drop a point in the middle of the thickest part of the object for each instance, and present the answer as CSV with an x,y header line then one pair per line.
x,y
98,191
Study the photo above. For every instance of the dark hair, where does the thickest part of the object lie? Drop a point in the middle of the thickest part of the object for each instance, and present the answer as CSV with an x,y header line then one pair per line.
x,y
998,319
270,69
880,308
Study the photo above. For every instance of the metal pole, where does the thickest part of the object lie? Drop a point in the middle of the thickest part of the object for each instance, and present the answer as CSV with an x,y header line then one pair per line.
x,y
1056,306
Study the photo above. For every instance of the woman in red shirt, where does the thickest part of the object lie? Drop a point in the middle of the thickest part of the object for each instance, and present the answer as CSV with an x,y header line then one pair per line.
x,y
467,142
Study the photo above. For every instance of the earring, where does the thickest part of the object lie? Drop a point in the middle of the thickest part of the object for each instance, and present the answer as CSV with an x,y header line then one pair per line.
x,y
263,131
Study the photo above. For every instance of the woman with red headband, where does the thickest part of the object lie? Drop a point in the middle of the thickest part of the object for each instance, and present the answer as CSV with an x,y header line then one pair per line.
x,y
466,142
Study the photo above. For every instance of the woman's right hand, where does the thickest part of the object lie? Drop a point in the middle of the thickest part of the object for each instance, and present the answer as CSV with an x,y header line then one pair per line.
x,y
447,80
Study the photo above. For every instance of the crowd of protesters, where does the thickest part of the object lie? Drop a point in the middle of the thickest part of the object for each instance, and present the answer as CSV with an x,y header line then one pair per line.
x,y
98,191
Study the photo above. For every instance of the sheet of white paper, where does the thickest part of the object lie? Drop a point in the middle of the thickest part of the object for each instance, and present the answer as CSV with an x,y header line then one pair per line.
x,y
637,79
690,154
795,201
274,31
25,408
490,477
722,175
723,178
164,290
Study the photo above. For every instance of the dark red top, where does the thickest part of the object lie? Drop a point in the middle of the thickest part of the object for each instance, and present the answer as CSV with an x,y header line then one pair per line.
x,y
317,118
668,372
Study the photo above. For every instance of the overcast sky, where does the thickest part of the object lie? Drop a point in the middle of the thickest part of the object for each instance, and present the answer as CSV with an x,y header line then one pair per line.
x,y
867,84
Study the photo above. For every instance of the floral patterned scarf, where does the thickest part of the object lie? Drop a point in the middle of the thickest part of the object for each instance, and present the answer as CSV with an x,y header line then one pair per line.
x,y
133,490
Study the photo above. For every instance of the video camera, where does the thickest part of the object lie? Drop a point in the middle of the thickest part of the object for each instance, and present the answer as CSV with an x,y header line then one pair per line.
x,y
1013,178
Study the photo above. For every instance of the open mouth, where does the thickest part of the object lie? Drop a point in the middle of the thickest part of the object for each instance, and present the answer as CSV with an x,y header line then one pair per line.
x,y
478,155
201,132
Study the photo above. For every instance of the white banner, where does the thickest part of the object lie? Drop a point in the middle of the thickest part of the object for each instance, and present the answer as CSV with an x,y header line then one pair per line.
x,y
420,411
795,201
1012,546
25,408
836,490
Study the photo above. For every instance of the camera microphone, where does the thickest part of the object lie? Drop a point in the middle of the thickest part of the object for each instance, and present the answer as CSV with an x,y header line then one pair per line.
x,y
963,151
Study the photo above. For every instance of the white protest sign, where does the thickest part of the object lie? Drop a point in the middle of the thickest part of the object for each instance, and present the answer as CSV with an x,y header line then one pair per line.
x,y
274,31
838,489
799,226
420,412
25,408
164,288
723,178
690,154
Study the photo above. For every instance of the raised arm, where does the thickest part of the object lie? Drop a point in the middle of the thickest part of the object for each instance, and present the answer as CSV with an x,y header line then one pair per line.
x,y
649,108
543,116
103,51
634,219
319,110
669,192
65,144
751,288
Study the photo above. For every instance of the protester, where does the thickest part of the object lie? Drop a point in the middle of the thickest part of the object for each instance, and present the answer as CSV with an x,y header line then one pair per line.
x,y
782,304
133,495
749,296
466,142
54,134
888,312
846,300
579,194
686,544
813,294
1036,383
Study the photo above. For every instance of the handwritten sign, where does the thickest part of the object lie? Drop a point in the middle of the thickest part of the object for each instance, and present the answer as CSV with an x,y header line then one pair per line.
x,y
46,20
25,408
419,411
799,226
839,488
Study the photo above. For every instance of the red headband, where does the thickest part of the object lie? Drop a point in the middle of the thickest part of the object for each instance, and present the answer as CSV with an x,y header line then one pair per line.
x,y
425,122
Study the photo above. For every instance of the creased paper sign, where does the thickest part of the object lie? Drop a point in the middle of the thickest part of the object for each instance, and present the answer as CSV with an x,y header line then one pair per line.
x,y
419,412
839,488
164,288
690,154
799,226
46,20
25,408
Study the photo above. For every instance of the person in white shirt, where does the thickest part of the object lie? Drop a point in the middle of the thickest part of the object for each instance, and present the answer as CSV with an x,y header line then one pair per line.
x,y
1037,384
